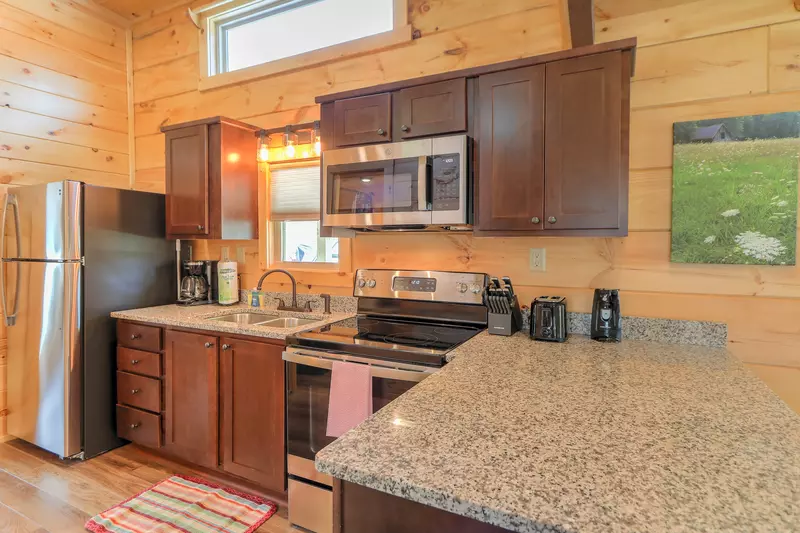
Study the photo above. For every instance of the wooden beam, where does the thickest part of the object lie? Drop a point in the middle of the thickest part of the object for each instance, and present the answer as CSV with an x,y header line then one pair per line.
x,y
581,22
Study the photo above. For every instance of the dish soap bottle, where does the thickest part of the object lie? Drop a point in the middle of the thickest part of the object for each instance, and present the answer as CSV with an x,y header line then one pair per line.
x,y
228,279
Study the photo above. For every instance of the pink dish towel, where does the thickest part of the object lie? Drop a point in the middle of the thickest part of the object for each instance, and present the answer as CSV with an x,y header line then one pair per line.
x,y
350,402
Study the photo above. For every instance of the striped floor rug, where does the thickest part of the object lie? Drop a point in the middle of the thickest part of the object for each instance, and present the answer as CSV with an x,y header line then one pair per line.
x,y
183,504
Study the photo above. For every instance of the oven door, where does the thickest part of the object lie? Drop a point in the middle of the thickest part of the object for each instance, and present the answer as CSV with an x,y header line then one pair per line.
x,y
379,185
308,383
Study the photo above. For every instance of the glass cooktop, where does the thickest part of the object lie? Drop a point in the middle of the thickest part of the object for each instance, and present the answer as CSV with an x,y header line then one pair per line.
x,y
411,341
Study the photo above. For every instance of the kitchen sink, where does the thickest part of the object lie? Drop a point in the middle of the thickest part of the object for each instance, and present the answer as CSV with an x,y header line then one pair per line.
x,y
246,319
288,322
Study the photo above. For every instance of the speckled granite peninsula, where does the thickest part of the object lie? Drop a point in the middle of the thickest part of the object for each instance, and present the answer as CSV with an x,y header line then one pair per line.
x,y
197,317
585,437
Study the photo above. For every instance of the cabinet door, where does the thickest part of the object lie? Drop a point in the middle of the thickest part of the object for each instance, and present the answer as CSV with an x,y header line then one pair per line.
x,y
432,109
187,181
191,405
585,182
253,431
510,177
363,120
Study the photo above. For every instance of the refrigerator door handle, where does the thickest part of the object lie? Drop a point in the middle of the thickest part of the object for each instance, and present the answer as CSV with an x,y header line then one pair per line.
x,y
11,319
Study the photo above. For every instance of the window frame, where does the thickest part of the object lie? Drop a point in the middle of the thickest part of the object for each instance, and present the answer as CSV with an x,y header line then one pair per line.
x,y
215,18
270,239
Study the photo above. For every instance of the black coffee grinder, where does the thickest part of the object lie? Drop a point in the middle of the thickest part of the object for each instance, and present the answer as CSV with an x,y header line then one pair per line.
x,y
606,316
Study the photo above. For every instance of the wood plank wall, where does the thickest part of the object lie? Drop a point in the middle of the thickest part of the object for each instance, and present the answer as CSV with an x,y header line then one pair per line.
x,y
697,59
63,103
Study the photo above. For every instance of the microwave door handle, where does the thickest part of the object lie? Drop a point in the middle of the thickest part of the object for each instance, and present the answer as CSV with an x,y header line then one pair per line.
x,y
423,182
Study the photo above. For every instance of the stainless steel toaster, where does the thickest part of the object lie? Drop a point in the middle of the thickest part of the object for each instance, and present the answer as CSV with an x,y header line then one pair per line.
x,y
549,318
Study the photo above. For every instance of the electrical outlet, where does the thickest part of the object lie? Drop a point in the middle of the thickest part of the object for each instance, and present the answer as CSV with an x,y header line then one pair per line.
x,y
538,260
240,255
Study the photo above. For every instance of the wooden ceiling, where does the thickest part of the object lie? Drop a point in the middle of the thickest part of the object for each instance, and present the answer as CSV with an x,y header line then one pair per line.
x,y
132,9
603,9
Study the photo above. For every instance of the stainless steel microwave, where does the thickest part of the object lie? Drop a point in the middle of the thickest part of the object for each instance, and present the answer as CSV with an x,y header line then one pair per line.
x,y
418,184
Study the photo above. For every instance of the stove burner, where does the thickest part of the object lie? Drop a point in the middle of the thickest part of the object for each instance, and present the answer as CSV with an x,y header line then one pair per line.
x,y
418,339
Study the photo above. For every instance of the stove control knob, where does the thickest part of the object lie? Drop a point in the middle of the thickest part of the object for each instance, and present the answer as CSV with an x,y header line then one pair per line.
x,y
371,284
475,288
462,287
361,283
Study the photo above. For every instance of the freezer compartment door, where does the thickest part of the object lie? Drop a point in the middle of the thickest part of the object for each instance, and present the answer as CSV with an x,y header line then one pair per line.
x,y
44,355
46,220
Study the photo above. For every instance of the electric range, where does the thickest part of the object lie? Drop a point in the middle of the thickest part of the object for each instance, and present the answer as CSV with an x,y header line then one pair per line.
x,y
407,322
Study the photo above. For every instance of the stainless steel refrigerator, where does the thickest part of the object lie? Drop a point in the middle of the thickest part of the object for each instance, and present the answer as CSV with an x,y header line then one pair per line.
x,y
72,254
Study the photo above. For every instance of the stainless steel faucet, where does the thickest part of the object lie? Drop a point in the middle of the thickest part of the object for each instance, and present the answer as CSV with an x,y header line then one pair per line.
x,y
281,305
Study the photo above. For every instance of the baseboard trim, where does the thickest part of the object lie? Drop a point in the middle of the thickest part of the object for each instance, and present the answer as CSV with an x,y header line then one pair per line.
x,y
6,438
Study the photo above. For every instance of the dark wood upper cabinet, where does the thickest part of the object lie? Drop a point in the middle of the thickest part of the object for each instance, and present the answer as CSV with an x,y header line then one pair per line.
x,y
187,181
363,120
510,177
211,180
586,179
252,398
191,418
431,109
551,135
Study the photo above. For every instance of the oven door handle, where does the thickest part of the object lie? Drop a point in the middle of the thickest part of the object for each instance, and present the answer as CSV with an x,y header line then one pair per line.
x,y
377,371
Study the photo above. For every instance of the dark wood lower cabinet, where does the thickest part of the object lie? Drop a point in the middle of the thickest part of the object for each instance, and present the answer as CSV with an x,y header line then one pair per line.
x,y
252,398
192,399
214,402
358,509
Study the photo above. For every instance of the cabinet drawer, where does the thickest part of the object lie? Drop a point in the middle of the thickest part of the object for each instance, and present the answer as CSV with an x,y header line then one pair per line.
x,y
310,507
139,337
139,391
139,426
363,120
138,362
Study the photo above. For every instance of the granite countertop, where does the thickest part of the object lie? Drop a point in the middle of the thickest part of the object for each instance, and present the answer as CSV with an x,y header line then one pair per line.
x,y
585,437
197,317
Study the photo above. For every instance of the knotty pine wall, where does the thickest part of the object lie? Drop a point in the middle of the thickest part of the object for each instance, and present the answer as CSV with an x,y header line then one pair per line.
x,y
63,103
696,59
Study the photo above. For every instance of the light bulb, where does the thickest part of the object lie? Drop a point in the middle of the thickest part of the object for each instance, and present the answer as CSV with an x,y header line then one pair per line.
x,y
317,146
306,155
263,152
289,150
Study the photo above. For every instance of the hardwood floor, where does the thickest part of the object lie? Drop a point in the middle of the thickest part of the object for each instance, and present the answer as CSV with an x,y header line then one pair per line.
x,y
41,494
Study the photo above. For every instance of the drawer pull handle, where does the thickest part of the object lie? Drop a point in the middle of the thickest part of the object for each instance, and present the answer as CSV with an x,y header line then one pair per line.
x,y
226,346
134,391
136,336
404,128
209,344
381,131
535,220
199,227
134,361
136,425
552,220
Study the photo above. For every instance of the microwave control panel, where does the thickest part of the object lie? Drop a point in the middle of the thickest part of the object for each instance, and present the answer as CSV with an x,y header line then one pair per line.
x,y
446,182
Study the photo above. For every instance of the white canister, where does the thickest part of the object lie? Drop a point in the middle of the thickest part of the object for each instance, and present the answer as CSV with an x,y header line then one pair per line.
x,y
227,276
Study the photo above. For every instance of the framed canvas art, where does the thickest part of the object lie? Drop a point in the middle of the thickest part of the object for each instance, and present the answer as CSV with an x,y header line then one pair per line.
x,y
734,196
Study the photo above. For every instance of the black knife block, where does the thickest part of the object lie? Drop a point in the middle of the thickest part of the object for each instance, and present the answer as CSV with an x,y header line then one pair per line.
x,y
506,324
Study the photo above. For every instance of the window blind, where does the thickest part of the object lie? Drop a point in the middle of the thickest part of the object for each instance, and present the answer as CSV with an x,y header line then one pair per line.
x,y
294,192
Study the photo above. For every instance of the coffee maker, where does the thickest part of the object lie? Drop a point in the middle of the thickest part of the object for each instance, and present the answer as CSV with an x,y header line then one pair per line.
x,y
606,316
198,283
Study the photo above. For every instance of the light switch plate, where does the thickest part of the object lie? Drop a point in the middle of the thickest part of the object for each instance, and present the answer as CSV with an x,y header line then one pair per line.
x,y
538,260
240,255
